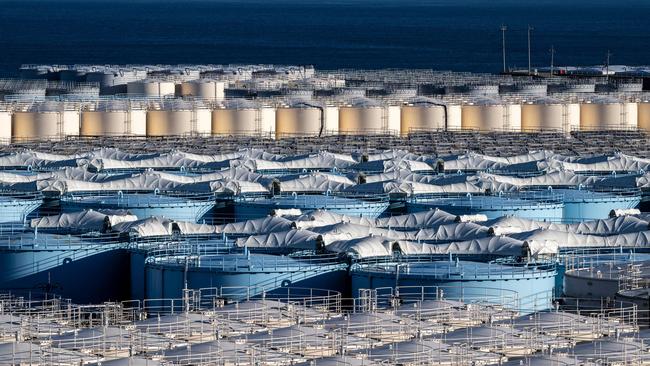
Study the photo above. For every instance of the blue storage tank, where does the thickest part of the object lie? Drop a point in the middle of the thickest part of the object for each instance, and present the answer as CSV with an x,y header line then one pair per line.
x,y
350,205
143,205
83,269
533,283
533,205
580,204
166,276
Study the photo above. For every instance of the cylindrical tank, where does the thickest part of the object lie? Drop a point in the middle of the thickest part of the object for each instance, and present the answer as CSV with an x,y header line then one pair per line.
x,y
204,89
350,92
362,116
33,72
298,93
72,74
113,118
544,114
643,112
484,90
572,88
606,113
177,117
5,126
402,93
462,279
47,120
82,91
114,81
151,88
484,115
299,117
236,117
531,89
423,114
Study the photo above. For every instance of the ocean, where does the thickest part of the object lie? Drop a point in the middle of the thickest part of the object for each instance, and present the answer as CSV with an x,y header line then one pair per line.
x,y
458,35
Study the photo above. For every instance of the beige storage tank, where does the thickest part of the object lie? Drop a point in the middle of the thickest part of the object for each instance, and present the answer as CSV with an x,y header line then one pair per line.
x,y
603,113
203,89
299,117
484,115
45,121
236,117
152,88
177,118
643,111
114,118
543,114
363,116
424,114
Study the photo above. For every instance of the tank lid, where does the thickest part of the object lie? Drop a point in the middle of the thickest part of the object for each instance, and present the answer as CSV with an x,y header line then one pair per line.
x,y
302,103
179,105
363,102
603,99
46,106
112,105
544,100
484,101
424,101
238,103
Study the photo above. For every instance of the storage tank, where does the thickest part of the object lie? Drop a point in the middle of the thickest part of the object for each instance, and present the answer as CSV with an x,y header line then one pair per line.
x,y
45,120
462,279
298,93
607,113
572,88
114,118
350,92
471,89
534,205
5,126
544,114
72,74
402,93
236,117
151,88
363,116
114,80
484,114
178,117
423,114
33,72
643,110
532,89
299,117
203,89
82,91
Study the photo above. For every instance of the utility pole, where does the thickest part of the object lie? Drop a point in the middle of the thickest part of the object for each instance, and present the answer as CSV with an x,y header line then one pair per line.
x,y
609,54
503,47
529,67
552,50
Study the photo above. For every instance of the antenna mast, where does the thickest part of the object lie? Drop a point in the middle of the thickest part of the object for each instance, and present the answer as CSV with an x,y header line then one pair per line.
x,y
503,45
